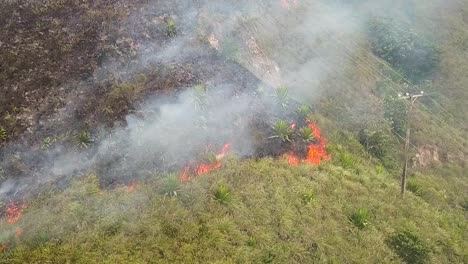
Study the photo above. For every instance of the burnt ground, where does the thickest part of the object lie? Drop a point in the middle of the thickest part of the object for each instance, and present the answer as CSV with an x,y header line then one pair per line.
x,y
72,68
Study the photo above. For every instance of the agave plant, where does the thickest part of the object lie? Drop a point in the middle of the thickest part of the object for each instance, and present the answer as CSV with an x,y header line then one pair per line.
x,y
222,194
282,96
3,134
282,130
171,185
199,98
171,28
360,218
304,111
48,142
84,139
306,133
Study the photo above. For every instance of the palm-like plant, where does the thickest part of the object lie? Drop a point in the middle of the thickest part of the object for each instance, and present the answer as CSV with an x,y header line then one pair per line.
x,y
306,133
84,139
304,111
222,194
171,28
171,185
282,130
282,96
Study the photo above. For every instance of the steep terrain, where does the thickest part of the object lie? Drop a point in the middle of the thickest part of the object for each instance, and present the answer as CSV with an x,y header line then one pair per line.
x,y
232,131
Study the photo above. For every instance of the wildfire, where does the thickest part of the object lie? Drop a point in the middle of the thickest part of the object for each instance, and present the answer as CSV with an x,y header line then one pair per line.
x,y
316,152
3,246
131,187
14,212
204,168
292,159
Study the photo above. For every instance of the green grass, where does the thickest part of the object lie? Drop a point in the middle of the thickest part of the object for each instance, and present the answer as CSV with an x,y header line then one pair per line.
x,y
268,223
360,218
3,134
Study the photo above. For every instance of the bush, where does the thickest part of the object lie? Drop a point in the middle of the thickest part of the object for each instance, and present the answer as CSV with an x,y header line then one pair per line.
x,y
409,247
404,49
360,218
83,139
171,185
282,130
306,133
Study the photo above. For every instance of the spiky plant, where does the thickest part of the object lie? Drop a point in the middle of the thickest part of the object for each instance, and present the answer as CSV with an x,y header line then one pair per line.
x,y
304,111
308,197
48,142
360,218
171,185
222,194
3,134
282,96
306,133
282,130
171,28
199,98
84,139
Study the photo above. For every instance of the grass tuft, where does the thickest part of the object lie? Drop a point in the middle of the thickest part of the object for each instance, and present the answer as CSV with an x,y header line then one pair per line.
x,y
360,218
222,194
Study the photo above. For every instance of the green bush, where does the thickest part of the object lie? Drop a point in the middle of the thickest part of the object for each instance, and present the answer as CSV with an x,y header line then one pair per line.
x,y
222,194
306,133
171,28
282,96
171,186
414,56
360,218
84,139
409,247
282,130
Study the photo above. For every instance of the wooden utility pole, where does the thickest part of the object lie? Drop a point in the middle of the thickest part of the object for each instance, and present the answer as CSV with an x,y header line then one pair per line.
x,y
412,99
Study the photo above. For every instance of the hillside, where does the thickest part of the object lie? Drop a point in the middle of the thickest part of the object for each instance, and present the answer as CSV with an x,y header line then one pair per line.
x,y
232,131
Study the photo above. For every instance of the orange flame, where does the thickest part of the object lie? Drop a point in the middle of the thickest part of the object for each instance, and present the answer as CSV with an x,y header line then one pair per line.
x,y
292,159
19,232
14,212
317,152
293,126
3,246
204,168
131,187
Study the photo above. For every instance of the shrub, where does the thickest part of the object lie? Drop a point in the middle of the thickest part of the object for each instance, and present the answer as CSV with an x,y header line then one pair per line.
x,y
414,187
3,134
84,139
282,96
171,185
222,194
282,130
409,247
360,218
171,28
306,133
304,111
416,57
